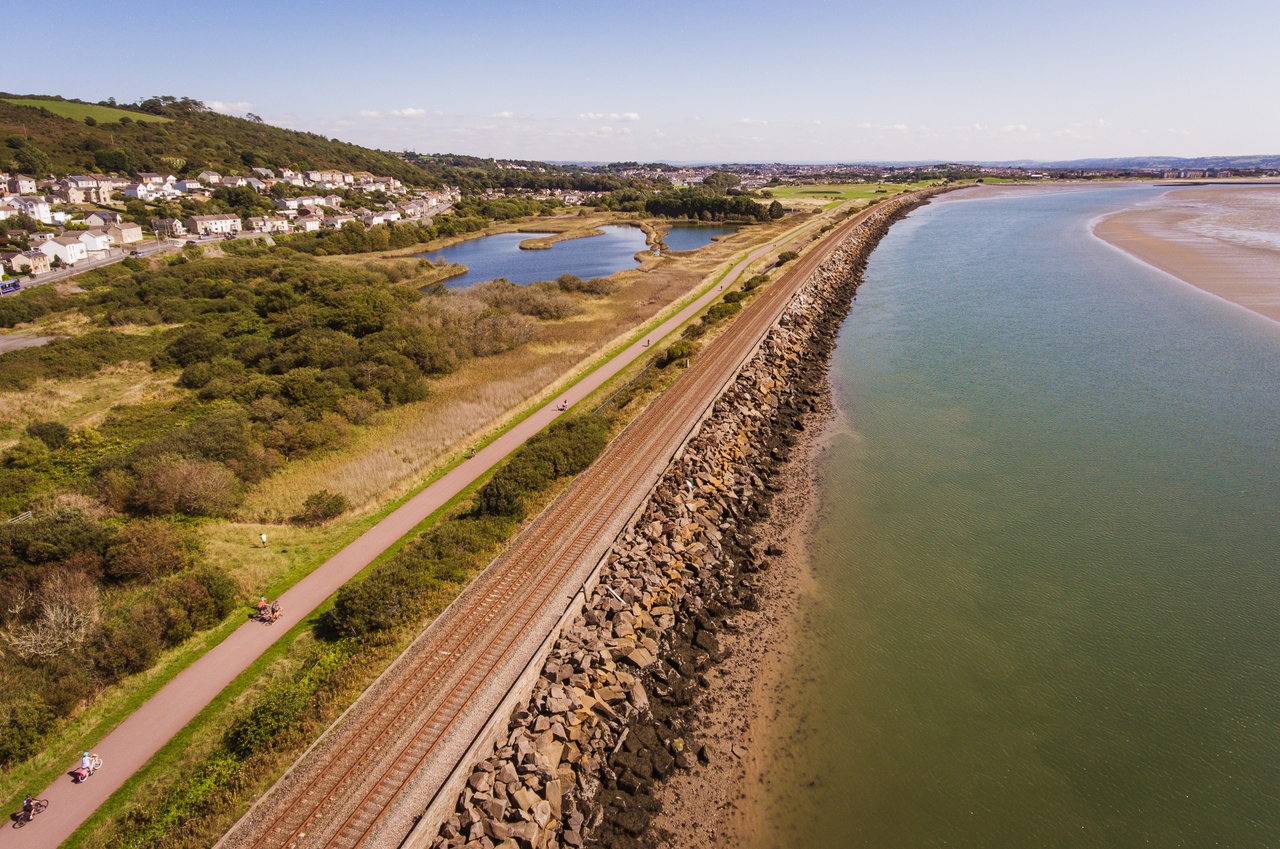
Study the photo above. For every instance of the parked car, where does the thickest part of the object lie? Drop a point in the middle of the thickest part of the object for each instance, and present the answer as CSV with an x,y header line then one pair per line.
x,y
136,253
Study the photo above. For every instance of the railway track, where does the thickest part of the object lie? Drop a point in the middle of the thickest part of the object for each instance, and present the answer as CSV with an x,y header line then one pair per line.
x,y
353,788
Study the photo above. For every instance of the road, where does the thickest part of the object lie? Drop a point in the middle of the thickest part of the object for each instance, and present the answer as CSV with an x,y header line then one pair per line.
x,y
132,743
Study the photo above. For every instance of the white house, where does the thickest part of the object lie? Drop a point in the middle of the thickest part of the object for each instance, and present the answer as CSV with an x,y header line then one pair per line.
x,y
141,191
216,225
335,222
95,240
307,223
209,178
232,182
287,203
20,184
270,224
34,205
188,186
69,249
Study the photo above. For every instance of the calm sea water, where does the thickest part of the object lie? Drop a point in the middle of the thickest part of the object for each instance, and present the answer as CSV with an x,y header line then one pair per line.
x,y
491,257
1048,572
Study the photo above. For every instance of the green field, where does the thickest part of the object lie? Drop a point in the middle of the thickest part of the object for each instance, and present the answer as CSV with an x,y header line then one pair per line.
x,y
80,111
841,191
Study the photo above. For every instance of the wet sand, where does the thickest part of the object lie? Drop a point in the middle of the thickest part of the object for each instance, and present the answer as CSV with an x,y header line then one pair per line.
x,y
723,802
1223,240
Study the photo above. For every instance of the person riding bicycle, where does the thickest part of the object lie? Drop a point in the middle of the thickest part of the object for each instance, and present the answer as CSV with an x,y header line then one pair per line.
x,y
276,610
86,762
262,606
28,808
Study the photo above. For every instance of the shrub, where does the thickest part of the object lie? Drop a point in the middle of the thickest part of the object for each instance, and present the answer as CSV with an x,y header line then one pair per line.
x,y
320,507
735,297
197,488
721,311
52,434
755,282
678,351
786,256
23,728
599,286
269,722
565,448
147,550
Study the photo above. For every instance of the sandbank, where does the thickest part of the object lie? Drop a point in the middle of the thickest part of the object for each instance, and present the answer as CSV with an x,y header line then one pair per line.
x,y
1224,240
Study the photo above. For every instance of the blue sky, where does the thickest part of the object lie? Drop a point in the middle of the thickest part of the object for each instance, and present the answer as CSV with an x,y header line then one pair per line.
x,y
790,80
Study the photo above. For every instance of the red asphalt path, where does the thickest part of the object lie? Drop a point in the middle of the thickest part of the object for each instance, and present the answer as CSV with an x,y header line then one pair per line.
x,y
127,748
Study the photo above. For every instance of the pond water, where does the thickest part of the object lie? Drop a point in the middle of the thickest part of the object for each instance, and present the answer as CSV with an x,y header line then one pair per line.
x,y
690,237
499,255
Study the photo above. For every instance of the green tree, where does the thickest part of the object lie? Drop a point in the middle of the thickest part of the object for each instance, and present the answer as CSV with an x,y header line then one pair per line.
x,y
32,160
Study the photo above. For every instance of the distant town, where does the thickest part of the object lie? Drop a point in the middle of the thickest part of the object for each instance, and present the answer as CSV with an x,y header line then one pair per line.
x,y
56,224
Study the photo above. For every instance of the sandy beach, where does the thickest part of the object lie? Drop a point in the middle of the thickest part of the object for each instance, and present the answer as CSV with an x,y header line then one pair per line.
x,y
1224,240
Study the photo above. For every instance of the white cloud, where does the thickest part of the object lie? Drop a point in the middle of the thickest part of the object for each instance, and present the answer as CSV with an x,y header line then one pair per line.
x,y
228,108
369,113
1014,128
408,112
753,122
503,115
608,116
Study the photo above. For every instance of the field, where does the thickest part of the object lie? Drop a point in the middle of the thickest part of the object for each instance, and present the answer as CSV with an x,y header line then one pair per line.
x,y
829,195
80,111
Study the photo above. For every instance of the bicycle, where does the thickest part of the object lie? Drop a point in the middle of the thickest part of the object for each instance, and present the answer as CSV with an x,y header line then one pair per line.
x,y
37,806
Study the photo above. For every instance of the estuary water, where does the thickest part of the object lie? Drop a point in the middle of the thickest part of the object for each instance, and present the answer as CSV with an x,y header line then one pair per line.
x,y
1047,573
500,255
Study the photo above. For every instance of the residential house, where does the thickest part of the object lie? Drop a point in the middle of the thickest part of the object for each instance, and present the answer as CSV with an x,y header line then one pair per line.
x,y
141,191
125,233
95,190
209,178
34,262
306,223
188,186
69,249
335,222
232,182
68,193
270,224
37,239
149,178
7,210
20,184
263,173
95,240
287,203
255,184
168,227
214,225
101,218
333,201
35,206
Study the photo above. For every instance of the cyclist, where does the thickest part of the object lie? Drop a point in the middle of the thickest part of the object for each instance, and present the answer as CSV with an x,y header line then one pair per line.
x,y
28,808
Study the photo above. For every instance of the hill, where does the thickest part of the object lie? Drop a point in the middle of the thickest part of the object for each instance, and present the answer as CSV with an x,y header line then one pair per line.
x,y
174,135
50,134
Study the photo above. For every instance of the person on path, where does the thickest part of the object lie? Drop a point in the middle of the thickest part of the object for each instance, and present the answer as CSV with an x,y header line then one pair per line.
x,y
276,610
263,537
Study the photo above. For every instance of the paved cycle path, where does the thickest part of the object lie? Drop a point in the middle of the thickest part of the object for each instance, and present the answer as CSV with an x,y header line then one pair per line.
x,y
135,740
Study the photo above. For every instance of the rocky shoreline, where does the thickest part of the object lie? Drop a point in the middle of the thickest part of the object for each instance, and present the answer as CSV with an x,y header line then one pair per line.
x,y
618,706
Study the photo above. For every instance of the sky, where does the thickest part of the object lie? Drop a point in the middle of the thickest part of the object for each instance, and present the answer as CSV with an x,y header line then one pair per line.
x,y
747,81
